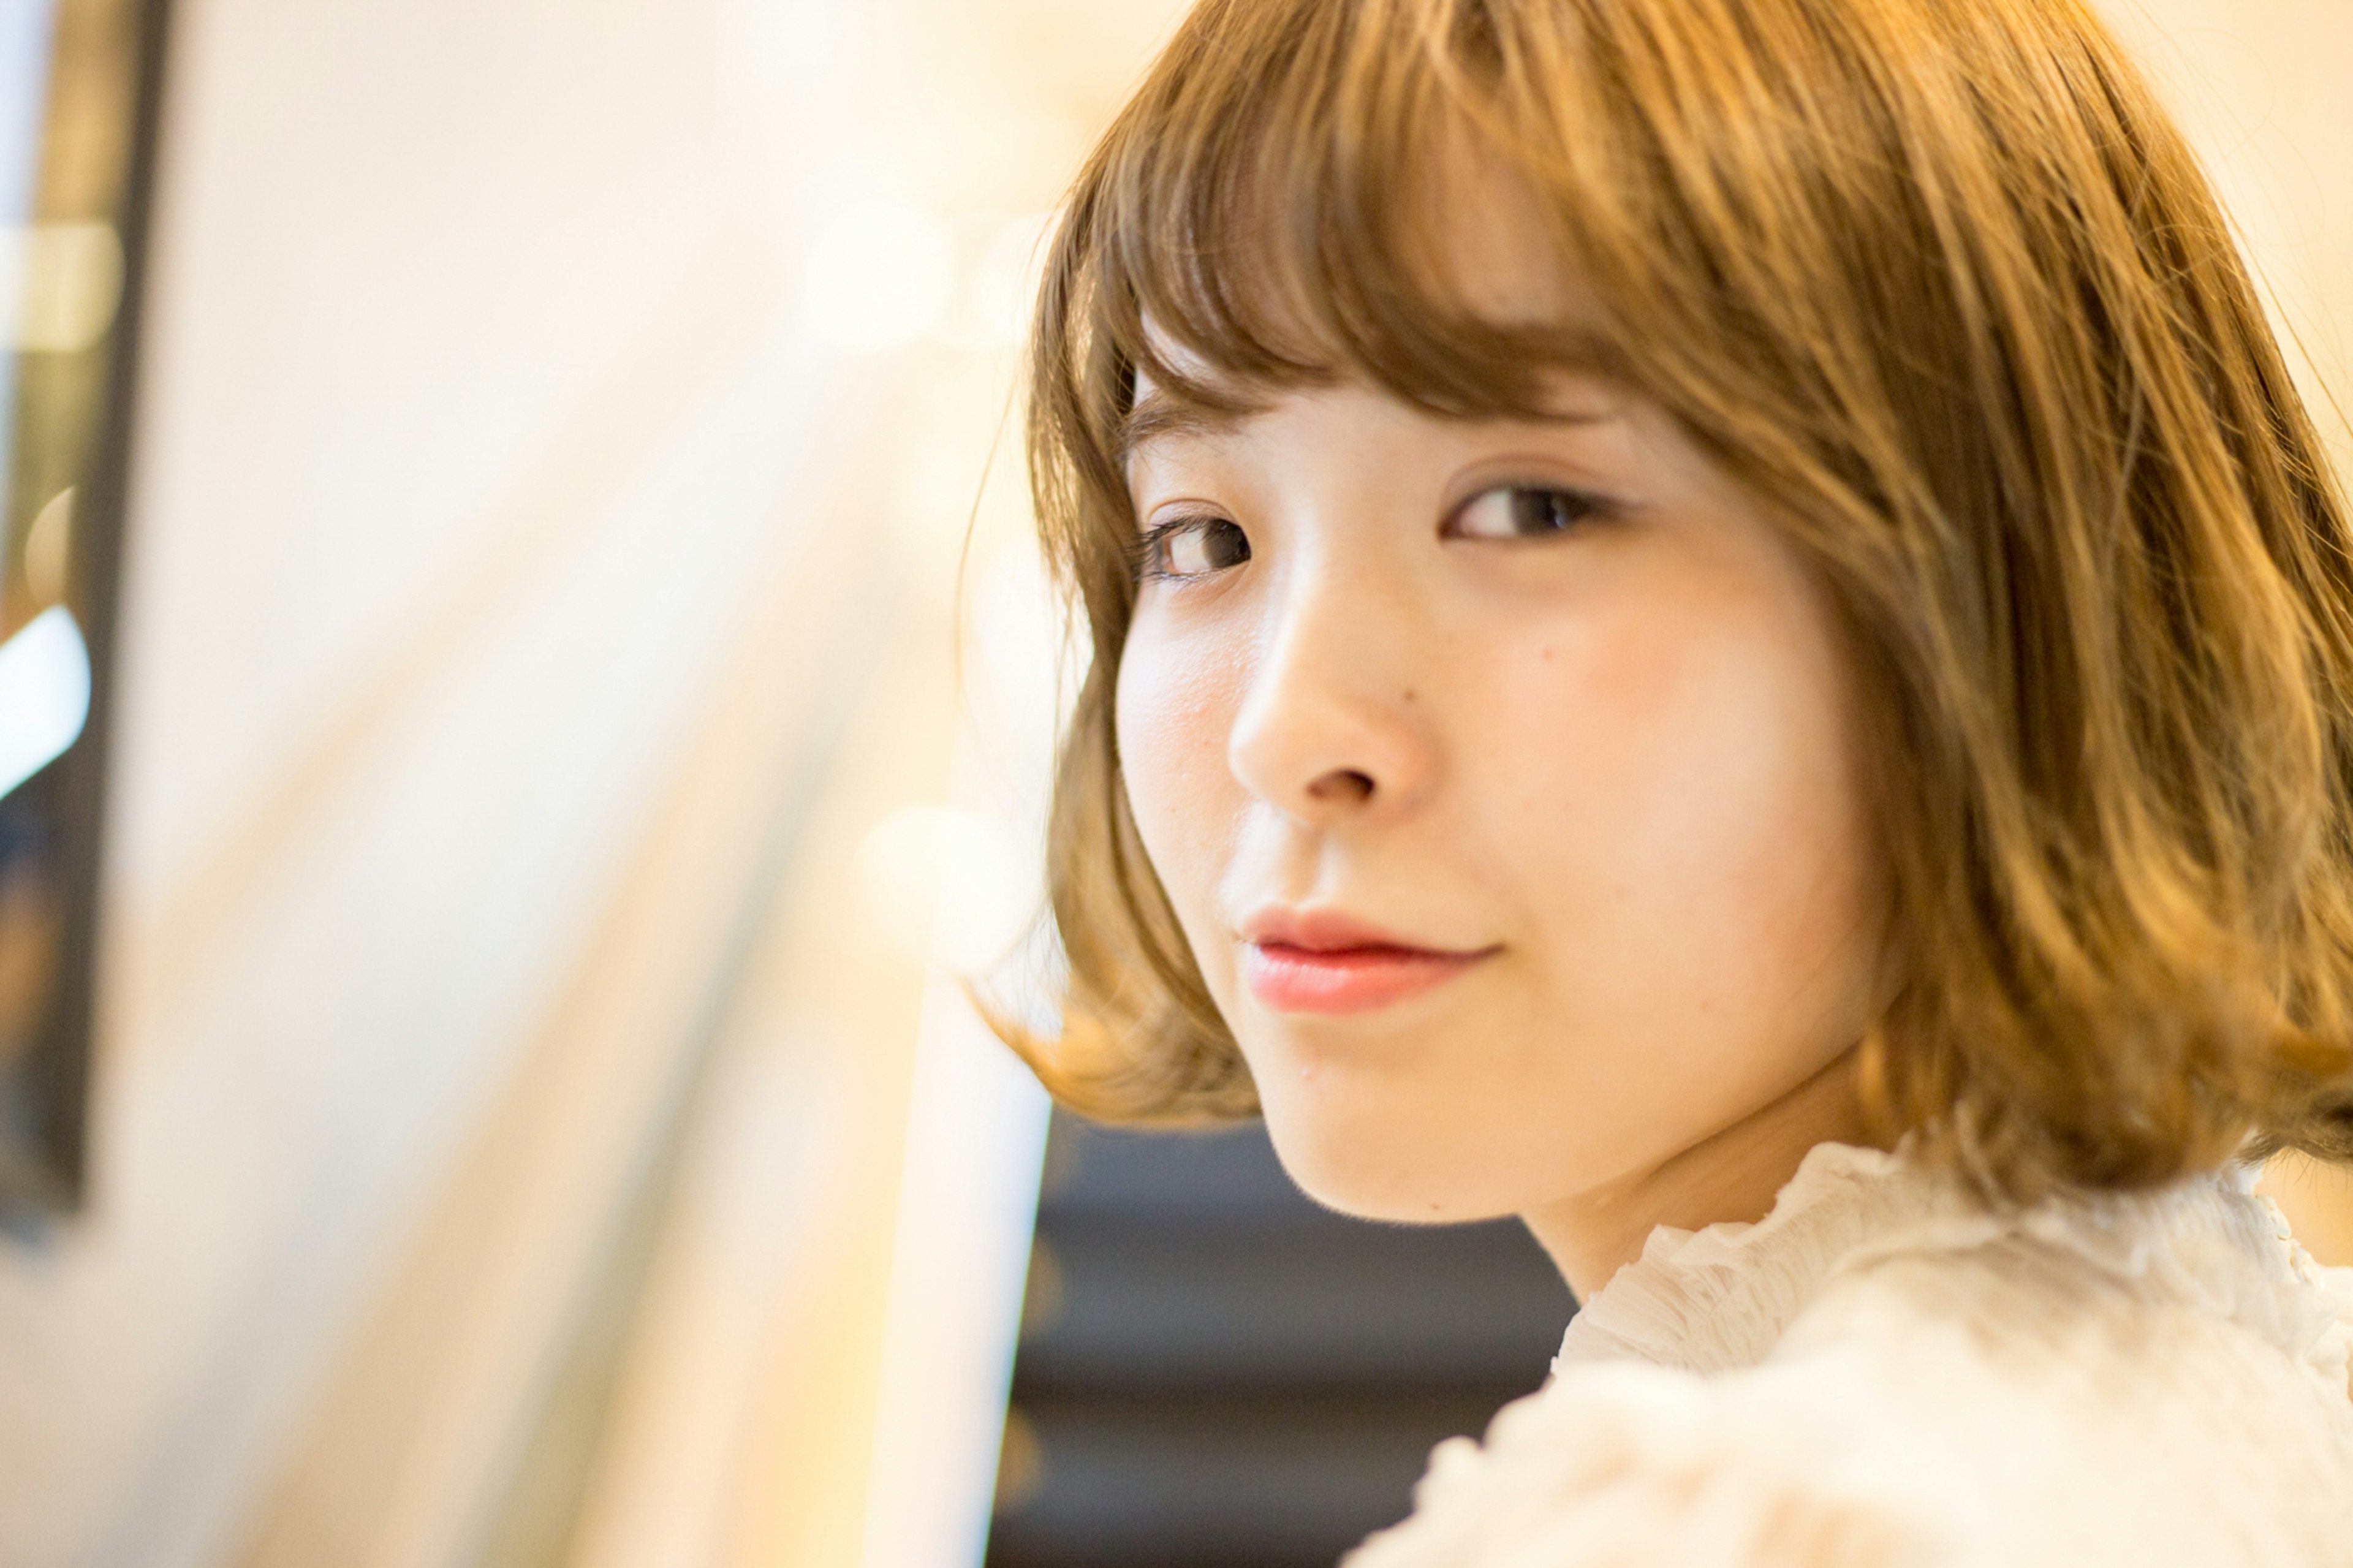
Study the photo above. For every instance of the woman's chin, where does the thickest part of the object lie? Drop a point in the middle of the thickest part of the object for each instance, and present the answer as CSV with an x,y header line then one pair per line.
x,y
1373,1171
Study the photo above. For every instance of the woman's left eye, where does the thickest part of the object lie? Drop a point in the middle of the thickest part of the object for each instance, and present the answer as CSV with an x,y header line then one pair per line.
x,y
1525,511
1192,548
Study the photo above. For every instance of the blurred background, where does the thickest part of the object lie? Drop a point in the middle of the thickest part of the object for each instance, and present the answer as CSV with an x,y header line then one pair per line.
x,y
523,684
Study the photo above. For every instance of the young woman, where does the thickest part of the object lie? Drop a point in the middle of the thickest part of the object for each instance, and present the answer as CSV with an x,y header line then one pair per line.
x,y
1716,625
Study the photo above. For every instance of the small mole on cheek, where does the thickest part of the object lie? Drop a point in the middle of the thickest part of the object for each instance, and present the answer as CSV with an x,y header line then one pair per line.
x,y
1410,694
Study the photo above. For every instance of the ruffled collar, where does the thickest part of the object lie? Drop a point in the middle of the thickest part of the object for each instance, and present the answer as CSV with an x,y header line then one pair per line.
x,y
1722,1298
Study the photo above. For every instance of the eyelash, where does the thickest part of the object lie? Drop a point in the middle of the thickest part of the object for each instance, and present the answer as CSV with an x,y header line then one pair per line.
x,y
1588,507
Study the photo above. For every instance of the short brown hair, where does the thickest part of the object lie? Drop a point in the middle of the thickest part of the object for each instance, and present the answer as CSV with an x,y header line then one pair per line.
x,y
1944,289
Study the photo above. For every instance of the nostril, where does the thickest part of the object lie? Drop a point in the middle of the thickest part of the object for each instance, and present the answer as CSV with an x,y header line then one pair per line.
x,y
1343,785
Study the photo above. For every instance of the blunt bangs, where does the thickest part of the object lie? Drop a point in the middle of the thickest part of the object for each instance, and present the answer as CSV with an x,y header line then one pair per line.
x,y
1290,226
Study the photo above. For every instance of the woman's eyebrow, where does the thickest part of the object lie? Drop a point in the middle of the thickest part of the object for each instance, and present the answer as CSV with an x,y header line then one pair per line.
x,y
1156,417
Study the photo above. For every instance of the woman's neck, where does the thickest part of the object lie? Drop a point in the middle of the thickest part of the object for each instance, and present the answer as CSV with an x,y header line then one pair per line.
x,y
1732,1174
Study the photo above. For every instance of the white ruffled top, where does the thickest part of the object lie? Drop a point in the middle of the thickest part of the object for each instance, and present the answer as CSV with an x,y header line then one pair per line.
x,y
1882,1373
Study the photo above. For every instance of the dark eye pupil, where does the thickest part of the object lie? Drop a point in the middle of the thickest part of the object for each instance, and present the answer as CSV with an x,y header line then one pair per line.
x,y
1545,512
1224,544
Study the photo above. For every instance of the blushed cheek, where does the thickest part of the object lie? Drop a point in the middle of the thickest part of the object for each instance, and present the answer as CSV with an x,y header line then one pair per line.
x,y
1794,906
1173,715
1712,858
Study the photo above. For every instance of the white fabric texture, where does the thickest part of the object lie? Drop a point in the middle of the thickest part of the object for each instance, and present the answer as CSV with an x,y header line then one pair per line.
x,y
1881,1372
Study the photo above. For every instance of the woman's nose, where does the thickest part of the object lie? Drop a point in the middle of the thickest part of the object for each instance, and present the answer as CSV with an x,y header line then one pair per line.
x,y
1332,725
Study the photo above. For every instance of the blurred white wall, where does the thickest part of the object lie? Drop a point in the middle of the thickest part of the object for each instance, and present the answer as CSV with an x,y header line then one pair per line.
x,y
557,422
467,429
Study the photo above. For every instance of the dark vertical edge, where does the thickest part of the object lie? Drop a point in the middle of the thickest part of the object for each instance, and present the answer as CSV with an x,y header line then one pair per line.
x,y
64,1066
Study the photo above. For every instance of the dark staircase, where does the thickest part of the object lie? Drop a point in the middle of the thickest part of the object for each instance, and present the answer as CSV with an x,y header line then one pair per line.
x,y
1214,1373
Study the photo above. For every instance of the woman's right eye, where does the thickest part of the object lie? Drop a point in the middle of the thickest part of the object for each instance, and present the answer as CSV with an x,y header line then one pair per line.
x,y
1195,547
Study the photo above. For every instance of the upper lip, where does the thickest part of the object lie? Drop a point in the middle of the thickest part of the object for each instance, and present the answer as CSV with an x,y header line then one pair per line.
x,y
1318,930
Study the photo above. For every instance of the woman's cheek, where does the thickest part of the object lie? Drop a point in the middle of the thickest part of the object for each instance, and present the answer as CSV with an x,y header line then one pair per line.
x,y
1173,714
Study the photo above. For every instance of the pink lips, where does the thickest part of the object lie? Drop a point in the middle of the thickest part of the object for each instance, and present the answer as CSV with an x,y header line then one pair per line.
x,y
1317,962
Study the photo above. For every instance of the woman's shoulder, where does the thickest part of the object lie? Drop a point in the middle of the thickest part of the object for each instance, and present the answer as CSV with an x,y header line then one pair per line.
x,y
1850,1454
2161,1380
1636,1464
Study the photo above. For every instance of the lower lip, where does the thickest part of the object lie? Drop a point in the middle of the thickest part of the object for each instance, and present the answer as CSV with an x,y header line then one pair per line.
x,y
1348,979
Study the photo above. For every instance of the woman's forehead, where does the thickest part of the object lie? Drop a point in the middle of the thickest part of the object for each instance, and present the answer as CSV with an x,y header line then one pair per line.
x,y
1498,244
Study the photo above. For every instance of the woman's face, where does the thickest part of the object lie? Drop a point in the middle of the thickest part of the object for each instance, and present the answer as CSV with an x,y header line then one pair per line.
x,y
1506,779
